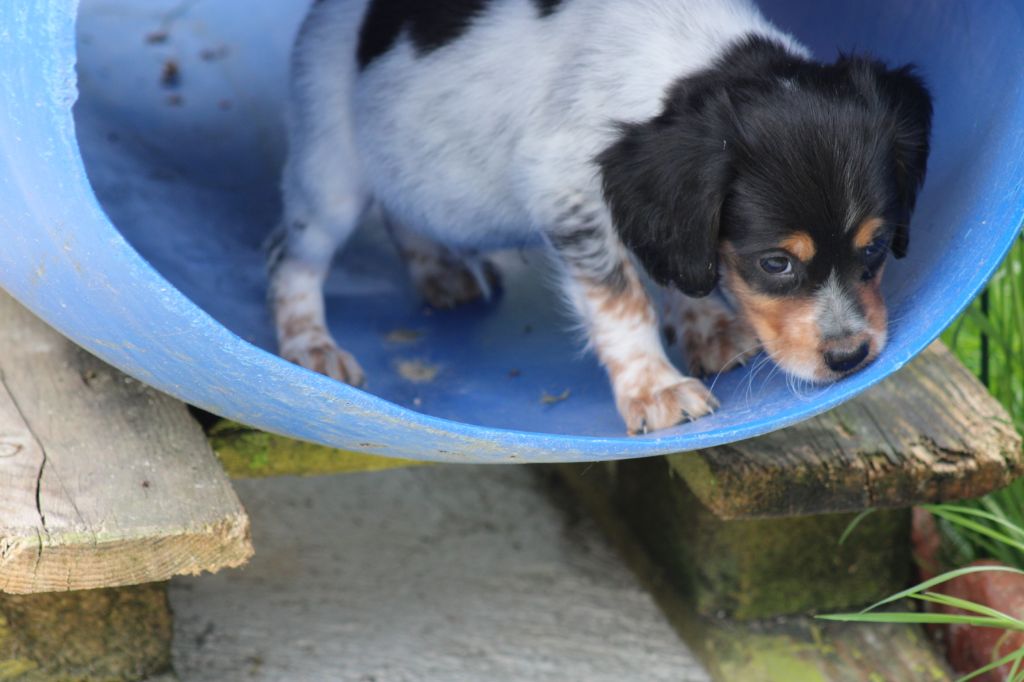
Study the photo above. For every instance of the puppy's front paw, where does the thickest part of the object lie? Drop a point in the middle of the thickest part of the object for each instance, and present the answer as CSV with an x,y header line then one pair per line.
x,y
648,409
729,341
714,339
320,354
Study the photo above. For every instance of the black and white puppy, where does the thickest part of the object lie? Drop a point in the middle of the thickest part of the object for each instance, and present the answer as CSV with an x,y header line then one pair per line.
x,y
689,137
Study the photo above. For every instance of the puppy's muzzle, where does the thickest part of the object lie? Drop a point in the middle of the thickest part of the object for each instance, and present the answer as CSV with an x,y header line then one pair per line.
x,y
843,360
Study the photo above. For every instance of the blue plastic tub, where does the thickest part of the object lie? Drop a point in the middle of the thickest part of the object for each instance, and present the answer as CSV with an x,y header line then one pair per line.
x,y
131,221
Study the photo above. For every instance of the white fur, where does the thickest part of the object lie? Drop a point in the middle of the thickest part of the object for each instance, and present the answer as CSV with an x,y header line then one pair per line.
x,y
837,313
477,141
490,141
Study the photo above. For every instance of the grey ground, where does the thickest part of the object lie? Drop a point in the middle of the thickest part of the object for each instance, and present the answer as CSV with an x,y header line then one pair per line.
x,y
462,573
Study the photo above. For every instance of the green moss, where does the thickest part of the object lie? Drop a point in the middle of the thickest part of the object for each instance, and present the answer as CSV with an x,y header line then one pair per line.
x,y
16,669
768,567
249,453
770,658
694,470
800,649
111,635
786,649
756,568
12,666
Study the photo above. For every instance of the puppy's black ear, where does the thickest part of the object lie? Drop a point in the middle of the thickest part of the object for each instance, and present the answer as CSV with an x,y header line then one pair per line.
x,y
909,103
665,181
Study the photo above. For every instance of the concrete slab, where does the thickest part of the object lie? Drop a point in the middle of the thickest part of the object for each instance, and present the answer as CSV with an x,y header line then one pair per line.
x,y
460,573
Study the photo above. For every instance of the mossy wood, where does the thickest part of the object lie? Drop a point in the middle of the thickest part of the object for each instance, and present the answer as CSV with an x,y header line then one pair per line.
x,y
801,649
106,482
786,649
751,530
929,433
119,634
246,452
754,568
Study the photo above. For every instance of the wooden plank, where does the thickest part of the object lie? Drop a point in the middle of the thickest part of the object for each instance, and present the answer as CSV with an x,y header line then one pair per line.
x,y
929,433
751,530
784,649
246,452
106,482
757,568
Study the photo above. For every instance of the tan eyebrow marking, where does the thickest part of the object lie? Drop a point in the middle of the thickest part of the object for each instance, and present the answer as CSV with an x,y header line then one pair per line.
x,y
866,231
801,245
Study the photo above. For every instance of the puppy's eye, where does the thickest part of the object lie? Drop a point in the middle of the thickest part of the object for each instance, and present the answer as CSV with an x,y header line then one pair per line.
x,y
776,265
873,255
876,248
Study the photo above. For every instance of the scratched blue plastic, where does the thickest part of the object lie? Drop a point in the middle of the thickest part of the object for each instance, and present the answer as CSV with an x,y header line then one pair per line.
x,y
147,251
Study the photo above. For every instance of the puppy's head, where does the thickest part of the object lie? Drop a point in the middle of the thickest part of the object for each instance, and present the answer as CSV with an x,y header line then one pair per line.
x,y
788,179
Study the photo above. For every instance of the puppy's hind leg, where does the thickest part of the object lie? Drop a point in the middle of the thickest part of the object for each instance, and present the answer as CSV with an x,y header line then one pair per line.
x,y
324,197
297,270
445,278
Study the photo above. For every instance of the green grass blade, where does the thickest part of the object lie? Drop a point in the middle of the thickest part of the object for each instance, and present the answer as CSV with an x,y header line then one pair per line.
x,y
938,580
853,524
1004,507
1015,670
994,513
953,334
917,617
993,665
986,326
999,506
981,529
965,605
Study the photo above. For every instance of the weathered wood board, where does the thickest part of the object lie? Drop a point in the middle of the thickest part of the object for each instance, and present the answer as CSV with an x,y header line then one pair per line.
x,y
105,481
758,568
929,433
786,649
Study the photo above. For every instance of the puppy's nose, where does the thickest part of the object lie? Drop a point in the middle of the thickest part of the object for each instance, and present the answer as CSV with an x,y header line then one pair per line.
x,y
845,360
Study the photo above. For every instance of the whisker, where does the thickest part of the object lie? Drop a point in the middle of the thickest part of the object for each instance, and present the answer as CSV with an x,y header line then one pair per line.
x,y
728,362
754,371
768,378
796,386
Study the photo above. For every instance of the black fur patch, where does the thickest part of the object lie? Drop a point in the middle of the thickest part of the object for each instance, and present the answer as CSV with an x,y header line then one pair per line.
x,y
547,7
431,24
584,247
763,144
665,182
276,248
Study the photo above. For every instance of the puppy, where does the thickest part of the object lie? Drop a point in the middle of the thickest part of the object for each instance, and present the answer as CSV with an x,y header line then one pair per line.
x,y
690,139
